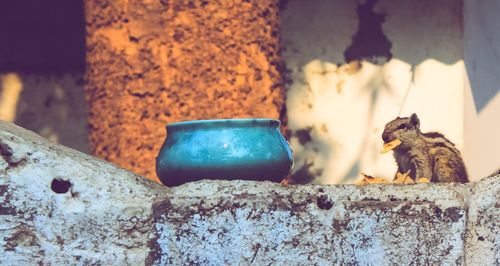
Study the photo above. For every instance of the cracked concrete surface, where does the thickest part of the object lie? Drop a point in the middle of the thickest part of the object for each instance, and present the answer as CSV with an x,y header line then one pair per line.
x,y
103,218
101,214
293,225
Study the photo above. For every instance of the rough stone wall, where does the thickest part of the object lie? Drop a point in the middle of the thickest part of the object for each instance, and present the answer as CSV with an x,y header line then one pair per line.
x,y
153,62
483,227
246,222
61,207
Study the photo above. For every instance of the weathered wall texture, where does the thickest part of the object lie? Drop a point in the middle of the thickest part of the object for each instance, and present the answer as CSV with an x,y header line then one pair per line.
x,y
59,207
354,66
150,63
341,225
483,228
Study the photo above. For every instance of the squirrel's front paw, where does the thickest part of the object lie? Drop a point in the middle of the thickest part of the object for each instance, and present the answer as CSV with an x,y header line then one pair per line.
x,y
423,180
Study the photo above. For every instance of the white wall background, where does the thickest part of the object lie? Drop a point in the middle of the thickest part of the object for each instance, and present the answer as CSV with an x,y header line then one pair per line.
x,y
482,86
342,108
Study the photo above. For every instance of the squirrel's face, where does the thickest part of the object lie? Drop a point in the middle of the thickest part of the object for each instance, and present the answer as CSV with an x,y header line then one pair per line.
x,y
403,128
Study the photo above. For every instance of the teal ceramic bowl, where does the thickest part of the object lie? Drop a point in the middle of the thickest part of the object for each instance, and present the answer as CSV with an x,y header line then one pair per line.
x,y
228,149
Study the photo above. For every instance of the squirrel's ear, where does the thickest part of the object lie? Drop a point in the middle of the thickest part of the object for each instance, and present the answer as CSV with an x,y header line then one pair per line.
x,y
414,120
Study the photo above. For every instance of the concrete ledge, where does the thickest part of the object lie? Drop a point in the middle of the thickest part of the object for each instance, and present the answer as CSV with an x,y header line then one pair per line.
x,y
483,226
59,206
247,222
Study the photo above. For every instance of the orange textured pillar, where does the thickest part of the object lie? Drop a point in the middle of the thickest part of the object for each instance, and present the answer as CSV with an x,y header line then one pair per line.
x,y
154,62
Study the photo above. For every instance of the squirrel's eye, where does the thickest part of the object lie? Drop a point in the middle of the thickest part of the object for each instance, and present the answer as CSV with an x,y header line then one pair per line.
x,y
402,126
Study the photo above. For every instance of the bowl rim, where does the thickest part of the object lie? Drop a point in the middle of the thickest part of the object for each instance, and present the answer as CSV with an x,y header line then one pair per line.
x,y
225,122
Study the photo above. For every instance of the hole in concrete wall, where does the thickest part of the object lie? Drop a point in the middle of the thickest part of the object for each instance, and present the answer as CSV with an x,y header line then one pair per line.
x,y
453,214
60,186
324,202
438,212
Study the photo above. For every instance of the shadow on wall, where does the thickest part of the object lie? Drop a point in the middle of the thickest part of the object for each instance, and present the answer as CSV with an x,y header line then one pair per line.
x,y
43,49
482,52
482,100
354,66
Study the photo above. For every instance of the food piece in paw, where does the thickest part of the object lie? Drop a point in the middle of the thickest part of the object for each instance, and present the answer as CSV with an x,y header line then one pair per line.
x,y
389,146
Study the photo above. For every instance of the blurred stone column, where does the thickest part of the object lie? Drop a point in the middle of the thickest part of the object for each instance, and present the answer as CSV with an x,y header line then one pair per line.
x,y
154,62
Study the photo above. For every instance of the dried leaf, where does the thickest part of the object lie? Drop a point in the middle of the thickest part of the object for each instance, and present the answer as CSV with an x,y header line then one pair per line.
x,y
423,180
403,178
368,179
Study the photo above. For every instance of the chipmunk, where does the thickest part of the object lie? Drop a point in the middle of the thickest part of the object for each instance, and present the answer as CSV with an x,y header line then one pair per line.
x,y
424,155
